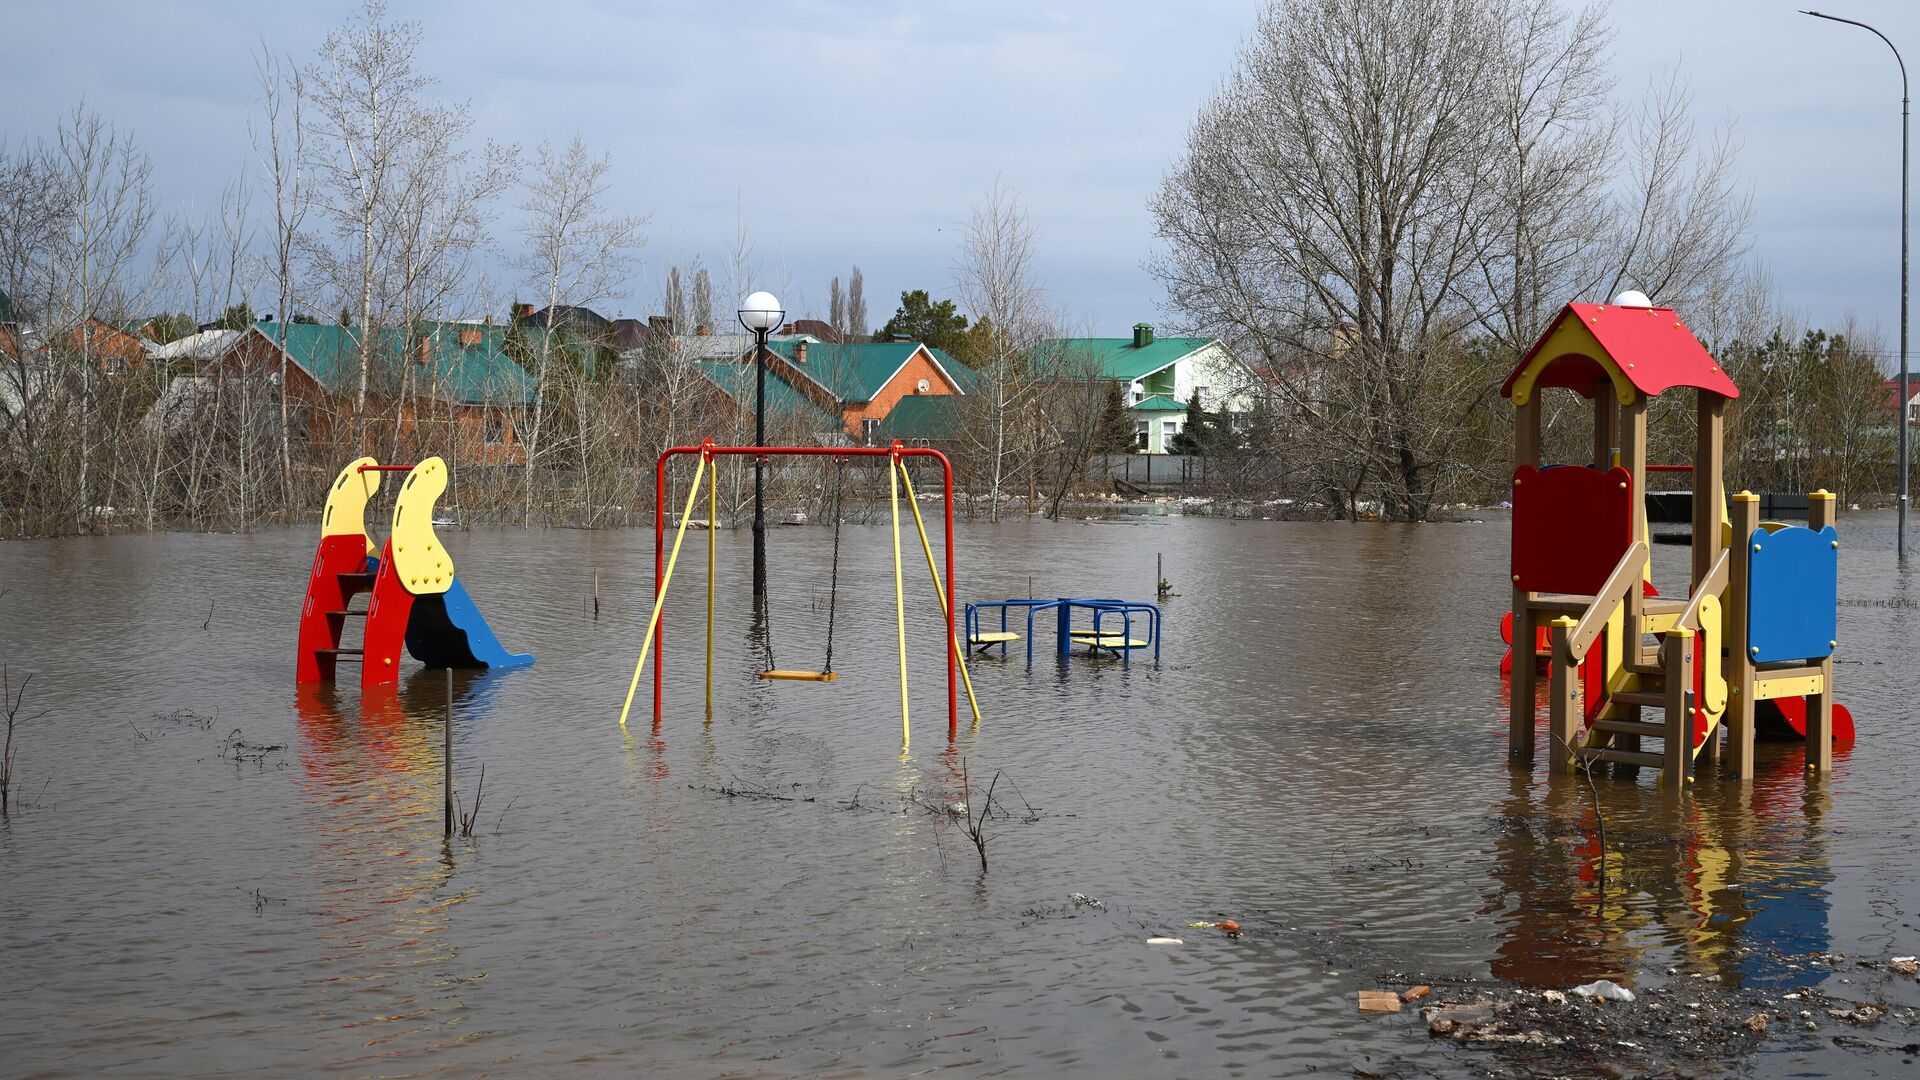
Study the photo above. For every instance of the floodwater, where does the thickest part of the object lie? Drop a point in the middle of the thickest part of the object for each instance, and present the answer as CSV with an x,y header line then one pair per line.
x,y
214,875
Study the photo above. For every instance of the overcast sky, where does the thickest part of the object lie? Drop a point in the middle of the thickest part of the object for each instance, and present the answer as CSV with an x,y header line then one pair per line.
x,y
845,131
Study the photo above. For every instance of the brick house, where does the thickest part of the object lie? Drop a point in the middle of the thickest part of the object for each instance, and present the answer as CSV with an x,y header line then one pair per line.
x,y
449,375
862,382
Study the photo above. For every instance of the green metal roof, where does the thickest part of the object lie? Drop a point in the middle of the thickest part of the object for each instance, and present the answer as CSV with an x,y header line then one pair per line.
x,y
1118,359
1159,403
783,399
855,372
476,374
934,417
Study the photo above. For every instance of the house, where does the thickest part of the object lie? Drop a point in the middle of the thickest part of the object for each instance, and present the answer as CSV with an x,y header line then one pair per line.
x,y
115,351
1913,398
817,329
935,420
862,382
791,413
1161,375
853,386
443,373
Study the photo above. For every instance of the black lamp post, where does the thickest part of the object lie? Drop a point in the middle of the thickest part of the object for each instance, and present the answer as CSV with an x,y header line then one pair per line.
x,y
1900,410
760,313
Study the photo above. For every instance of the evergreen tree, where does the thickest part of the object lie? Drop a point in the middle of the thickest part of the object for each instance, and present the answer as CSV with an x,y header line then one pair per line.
x,y
936,324
1115,434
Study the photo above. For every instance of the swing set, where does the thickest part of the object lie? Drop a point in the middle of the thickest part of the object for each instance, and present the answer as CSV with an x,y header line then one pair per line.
x,y
899,483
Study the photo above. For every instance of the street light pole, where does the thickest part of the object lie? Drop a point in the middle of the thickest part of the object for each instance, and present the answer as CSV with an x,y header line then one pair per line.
x,y
760,313
759,466
1901,407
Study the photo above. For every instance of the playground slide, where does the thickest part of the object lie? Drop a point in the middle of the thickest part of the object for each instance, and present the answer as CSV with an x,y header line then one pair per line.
x,y
1786,719
447,630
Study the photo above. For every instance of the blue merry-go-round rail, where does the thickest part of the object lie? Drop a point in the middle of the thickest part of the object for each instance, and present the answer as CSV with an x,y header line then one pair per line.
x,y
1103,609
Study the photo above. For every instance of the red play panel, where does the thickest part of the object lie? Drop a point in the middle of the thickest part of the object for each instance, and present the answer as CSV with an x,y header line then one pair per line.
x,y
1571,524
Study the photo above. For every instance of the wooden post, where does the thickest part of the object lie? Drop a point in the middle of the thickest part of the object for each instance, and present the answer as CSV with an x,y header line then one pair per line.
x,y
1745,514
1709,483
446,737
1820,723
1606,424
1678,665
1526,452
1633,458
1526,433
1820,514
1563,702
1820,509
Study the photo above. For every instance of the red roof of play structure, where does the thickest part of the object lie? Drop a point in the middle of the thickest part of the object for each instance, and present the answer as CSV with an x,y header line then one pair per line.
x,y
1653,348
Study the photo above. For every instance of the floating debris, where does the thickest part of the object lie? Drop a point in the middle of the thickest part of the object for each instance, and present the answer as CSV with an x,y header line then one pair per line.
x,y
1604,990
1379,1001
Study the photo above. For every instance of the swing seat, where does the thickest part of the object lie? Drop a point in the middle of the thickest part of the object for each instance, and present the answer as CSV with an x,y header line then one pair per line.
x,y
993,637
789,675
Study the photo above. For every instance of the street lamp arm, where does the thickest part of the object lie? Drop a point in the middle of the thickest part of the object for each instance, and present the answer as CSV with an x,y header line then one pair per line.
x,y
1898,59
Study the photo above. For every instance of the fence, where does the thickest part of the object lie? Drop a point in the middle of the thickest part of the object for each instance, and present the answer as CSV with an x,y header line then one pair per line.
x,y
1150,471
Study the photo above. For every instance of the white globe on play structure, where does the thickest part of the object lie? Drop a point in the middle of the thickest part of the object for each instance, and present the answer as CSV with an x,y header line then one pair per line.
x,y
1632,298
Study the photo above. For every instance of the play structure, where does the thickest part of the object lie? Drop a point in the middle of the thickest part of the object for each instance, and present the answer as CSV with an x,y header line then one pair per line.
x,y
900,486
1756,631
414,597
1111,631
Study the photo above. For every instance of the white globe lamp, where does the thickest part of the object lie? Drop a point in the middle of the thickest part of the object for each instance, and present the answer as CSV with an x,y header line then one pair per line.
x,y
761,312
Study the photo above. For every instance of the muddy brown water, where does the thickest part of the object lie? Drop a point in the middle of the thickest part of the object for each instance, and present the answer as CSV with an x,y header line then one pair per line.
x,y
1318,755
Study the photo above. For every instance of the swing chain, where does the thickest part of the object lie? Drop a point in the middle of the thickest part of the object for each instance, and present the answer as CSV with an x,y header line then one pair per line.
x,y
833,581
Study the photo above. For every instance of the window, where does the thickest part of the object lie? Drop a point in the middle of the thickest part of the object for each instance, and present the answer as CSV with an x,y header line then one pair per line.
x,y
867,429
496,430
1140,434
1201,393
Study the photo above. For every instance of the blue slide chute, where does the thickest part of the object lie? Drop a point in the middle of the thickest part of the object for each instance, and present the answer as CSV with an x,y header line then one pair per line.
x,y
447,630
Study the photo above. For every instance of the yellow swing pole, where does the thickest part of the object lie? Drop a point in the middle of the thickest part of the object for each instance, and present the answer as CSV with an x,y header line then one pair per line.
x,y
939,590
713,506
899,597
660,601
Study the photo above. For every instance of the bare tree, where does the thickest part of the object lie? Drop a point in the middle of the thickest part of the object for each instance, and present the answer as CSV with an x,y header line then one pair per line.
x,y
578,251
675,304
856,306
1387,199
367,97
837,308
996,281
104,181
702,297
279,139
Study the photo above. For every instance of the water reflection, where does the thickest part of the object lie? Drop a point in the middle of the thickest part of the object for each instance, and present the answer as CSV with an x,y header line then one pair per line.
x,y
1726,883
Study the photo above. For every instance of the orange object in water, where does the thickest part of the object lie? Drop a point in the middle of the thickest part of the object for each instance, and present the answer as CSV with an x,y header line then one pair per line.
x,y
1229,926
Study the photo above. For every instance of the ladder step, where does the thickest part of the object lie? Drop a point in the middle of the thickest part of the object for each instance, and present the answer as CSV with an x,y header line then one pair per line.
x,y
1624,757
360,578
341,654
350,612
1652,699
1630,727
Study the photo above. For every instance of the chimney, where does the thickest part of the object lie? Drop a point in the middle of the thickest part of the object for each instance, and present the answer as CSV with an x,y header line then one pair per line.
x,y
703,330
425,351
1142,335
903,337
520,312
799,352
788,329
470,337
